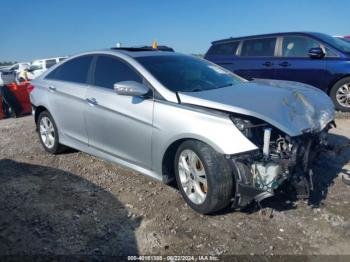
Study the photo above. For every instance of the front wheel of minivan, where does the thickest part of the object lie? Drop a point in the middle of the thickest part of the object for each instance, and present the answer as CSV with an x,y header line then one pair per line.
x,y
340,94
203,176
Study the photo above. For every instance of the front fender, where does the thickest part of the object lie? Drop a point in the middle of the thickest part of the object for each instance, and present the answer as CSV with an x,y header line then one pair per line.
x,y
173,122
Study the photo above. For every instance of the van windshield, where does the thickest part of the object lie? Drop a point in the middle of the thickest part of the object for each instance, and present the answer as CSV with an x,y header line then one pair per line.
x,y
181,73
335,42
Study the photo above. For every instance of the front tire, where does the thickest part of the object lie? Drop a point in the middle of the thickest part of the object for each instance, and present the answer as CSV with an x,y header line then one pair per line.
x,y
203,176
48,133
340,94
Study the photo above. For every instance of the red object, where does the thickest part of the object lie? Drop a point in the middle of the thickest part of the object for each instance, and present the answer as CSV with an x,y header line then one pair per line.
x,y
348,36
2,115
30,88
21,92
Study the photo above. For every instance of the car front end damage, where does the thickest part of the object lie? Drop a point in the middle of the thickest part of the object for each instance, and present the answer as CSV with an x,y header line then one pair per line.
x,y
287,121
280,159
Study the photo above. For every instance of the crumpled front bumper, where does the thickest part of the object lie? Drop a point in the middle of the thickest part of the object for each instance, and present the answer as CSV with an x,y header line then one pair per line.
x,y
298,170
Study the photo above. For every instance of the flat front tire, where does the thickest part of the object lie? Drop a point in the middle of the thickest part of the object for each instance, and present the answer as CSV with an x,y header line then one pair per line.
x,y
203,176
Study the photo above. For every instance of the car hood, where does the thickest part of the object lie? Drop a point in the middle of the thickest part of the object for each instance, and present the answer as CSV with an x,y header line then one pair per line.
x,y
292,107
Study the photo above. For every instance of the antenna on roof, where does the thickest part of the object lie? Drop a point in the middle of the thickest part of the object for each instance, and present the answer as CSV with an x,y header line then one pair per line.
x,y
118,45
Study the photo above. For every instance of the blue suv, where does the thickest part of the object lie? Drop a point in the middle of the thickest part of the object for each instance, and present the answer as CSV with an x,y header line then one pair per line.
x,y
316,59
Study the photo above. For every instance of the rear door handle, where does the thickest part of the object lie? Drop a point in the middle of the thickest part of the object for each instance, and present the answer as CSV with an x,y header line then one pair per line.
x,y
52,88
267,64
92,101
285,64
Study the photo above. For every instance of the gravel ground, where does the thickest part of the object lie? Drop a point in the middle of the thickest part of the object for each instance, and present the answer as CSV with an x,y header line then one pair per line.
x,y
74,203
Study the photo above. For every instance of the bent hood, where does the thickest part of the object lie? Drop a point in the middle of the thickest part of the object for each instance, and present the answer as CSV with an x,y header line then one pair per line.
x,y
292,107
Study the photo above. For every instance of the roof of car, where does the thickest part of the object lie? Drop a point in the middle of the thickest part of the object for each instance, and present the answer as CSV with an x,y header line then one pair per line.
x,y
141,53
263,35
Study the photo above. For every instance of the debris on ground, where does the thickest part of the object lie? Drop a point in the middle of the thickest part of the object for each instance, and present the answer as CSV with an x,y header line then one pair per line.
x,y
74,203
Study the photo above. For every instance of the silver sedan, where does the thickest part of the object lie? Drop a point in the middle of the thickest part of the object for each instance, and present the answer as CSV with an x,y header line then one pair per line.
x,y
225,140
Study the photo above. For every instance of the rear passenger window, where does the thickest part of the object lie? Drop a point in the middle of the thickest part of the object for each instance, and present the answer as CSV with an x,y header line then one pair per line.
x,y
110,70
223,49
75,70
298,46
259,47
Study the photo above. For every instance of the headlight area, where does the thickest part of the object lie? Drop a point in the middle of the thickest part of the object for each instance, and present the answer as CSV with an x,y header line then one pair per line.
x,y
280,159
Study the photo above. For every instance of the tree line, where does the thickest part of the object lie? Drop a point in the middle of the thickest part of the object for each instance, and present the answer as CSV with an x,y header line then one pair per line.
x,y
7,63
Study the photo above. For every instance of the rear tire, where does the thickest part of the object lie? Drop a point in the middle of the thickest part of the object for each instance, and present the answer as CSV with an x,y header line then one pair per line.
x,y
340,94
209,165
48,133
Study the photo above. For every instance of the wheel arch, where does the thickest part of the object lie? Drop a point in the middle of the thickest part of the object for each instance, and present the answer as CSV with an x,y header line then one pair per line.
x,y
329,88
38,110
169,155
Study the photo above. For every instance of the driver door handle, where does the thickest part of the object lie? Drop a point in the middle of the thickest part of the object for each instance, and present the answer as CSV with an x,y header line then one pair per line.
x,y
92,101
285,64
267,64
52,88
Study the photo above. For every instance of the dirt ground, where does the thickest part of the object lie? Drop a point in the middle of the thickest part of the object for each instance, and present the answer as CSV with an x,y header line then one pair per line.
x,y
74,203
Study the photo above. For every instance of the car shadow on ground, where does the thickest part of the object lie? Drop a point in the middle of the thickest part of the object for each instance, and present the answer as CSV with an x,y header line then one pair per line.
x,y
326,169
47,211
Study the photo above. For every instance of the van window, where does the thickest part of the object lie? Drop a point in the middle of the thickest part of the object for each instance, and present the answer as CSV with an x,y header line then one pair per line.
x,y
110,70
259,47
36,65
50,63
75,70
298,46
223,49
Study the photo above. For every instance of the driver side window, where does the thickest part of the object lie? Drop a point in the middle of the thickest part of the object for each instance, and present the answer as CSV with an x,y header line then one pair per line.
x,y
298,46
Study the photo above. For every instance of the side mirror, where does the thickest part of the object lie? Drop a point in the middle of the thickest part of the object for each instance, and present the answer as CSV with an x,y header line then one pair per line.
x,y
316,52
130,88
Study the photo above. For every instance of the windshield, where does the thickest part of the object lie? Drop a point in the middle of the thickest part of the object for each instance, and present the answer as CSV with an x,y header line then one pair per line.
x,y
181,73
347,40
335,42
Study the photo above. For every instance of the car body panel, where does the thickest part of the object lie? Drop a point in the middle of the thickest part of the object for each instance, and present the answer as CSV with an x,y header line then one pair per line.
x,y
291,107
120,125
173,122
302,70
71,120
258,67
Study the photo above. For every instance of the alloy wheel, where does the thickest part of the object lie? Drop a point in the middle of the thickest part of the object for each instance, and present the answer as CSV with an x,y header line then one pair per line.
x,y
343,95
47,132
192,176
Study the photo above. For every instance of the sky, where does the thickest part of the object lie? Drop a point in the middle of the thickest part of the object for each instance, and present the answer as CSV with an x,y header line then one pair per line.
x,y
46,28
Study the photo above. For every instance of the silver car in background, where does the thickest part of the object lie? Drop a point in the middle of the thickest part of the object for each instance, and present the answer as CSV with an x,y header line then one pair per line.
x,y
171,116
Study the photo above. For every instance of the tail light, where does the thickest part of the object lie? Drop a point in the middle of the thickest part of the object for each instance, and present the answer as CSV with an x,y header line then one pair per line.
x,y
30,88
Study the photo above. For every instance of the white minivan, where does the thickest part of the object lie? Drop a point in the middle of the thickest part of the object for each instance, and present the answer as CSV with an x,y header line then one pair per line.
x,y
37,67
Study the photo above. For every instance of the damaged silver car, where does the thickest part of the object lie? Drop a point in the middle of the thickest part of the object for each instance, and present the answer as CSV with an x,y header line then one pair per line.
x,y
225,140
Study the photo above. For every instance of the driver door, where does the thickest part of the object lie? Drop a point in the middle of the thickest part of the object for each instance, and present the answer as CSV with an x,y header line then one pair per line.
x,y
116,124
295,63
